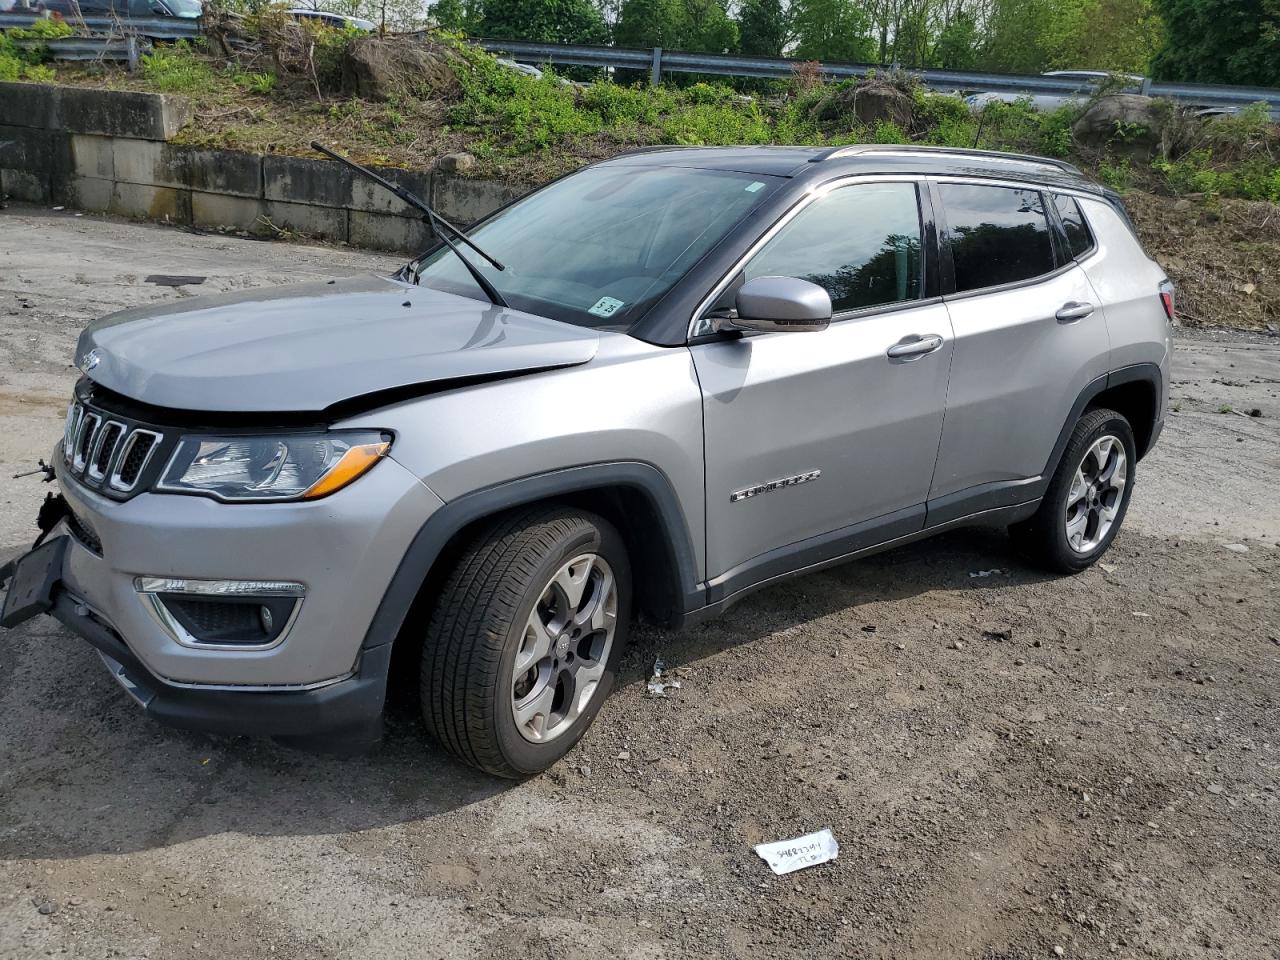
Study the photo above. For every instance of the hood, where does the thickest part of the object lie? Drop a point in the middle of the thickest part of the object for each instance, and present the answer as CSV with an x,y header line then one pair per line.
x,y
305,347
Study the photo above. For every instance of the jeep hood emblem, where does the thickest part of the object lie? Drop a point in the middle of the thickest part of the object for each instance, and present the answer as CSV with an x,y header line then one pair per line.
x,y
90,360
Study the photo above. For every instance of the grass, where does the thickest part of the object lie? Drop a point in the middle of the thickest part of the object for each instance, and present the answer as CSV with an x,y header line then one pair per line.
x,y
177,69
533,128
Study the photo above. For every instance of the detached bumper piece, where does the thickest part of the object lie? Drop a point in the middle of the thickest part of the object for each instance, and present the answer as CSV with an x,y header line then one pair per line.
x,y
343,717
32,581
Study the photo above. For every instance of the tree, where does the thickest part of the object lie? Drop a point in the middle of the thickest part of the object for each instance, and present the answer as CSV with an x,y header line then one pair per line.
x,y
764,27
460,16
1220,41
832,30
912,39
702,26
957,46
543,21
1018,35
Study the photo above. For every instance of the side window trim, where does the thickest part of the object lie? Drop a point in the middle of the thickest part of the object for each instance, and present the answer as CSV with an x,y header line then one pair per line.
x,y
928,251
1057,232
942,241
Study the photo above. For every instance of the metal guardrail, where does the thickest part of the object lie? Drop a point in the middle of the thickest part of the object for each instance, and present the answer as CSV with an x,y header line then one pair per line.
x,y
156,28
109,35
656,61
127,49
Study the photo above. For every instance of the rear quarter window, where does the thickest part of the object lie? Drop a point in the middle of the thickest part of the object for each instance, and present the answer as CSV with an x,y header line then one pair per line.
x,y
998,235
1079,237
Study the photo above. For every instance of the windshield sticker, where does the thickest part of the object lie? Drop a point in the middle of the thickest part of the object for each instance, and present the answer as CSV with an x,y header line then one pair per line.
x,y
754,186
606,307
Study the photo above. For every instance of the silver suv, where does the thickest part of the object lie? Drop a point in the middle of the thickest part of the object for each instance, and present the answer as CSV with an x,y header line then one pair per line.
x,y
652,386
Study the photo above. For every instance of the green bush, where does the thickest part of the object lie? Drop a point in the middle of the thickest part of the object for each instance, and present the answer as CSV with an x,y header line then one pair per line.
x,y
39,73
528,113
621,106
1116,173
1254,179
944,120
700,124
886,131
44,29
1055,131
260,83
708,94
32,53
176,69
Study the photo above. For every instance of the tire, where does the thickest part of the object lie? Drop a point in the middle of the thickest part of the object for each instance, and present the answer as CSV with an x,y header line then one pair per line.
x,y
528,565
1044,537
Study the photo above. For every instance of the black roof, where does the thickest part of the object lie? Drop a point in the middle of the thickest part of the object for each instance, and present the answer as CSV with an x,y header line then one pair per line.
x,y
811,162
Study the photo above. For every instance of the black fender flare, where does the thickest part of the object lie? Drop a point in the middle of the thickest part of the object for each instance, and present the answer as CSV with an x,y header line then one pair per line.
x,y
1134,373
1012,493
441,527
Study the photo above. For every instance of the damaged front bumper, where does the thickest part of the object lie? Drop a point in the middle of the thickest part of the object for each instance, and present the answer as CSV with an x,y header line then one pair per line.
x,y
319,683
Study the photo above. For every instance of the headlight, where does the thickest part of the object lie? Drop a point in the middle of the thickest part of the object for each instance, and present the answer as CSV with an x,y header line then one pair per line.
x,y
301,467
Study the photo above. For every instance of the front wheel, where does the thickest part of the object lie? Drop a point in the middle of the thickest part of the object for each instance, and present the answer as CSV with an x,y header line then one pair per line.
x,y
1087,498
525,638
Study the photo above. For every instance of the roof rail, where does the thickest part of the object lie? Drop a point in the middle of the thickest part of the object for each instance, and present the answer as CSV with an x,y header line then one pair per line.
x,y
855,149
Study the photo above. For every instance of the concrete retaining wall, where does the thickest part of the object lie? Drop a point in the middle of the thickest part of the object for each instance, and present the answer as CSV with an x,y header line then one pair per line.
x,y
110,152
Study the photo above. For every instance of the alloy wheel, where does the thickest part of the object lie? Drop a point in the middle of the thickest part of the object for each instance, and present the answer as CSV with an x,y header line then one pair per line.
x,y
564,648
1096,493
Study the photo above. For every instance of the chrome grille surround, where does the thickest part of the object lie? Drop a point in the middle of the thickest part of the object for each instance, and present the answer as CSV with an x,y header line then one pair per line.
x,y
105,446
123,479
99,449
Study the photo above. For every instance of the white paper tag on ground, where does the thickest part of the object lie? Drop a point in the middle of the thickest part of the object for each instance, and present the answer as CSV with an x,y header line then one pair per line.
x,y
787,856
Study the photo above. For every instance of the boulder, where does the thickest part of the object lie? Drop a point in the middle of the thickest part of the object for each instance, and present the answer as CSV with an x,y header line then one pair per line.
x,y
459,163
379,68
1123,123
868,102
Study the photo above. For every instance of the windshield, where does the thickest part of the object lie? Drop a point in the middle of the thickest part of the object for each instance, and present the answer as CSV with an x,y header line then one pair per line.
x,y
599,247
184,8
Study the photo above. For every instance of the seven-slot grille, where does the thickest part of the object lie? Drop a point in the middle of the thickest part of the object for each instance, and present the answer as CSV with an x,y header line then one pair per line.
x,y
106,451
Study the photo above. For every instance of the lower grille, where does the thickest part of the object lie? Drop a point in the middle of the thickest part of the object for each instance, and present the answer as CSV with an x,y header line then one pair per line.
x,y
82,532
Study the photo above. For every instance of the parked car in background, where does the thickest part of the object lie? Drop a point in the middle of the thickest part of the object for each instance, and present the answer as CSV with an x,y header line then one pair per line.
x,y
1088,82
69,9
656,385
336,20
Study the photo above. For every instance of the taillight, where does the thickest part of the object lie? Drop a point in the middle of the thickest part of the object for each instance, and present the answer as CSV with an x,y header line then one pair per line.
x,y
1166,299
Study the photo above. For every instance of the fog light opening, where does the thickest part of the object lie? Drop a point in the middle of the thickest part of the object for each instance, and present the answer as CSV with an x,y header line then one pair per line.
x,y
222,614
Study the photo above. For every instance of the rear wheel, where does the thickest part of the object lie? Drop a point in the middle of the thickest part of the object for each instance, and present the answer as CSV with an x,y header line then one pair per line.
x,y
1087,498
523,643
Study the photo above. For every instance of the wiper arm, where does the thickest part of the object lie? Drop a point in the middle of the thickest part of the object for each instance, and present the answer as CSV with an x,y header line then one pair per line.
x,y
440,227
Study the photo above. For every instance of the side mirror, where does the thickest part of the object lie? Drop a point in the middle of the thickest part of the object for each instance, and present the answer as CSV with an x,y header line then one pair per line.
x,y
775,304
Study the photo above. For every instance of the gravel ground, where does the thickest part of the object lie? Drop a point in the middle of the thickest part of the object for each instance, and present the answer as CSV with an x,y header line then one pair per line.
x,y
1015,765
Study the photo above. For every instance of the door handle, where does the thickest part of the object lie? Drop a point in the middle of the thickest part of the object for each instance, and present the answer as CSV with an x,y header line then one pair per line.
x,y
1073,310
908,349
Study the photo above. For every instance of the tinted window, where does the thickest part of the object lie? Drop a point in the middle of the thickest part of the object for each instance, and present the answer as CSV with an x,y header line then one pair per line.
x,y
861,243
599,247
1079,240
998,234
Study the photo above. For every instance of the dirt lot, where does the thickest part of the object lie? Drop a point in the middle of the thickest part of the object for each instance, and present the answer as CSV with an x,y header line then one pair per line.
x,y
1012,763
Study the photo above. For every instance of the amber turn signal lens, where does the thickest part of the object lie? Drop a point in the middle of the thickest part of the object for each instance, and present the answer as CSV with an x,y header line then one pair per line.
x,y
356,462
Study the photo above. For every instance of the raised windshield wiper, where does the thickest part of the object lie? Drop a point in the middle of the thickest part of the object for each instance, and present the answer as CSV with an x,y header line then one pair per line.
x,y
440,227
